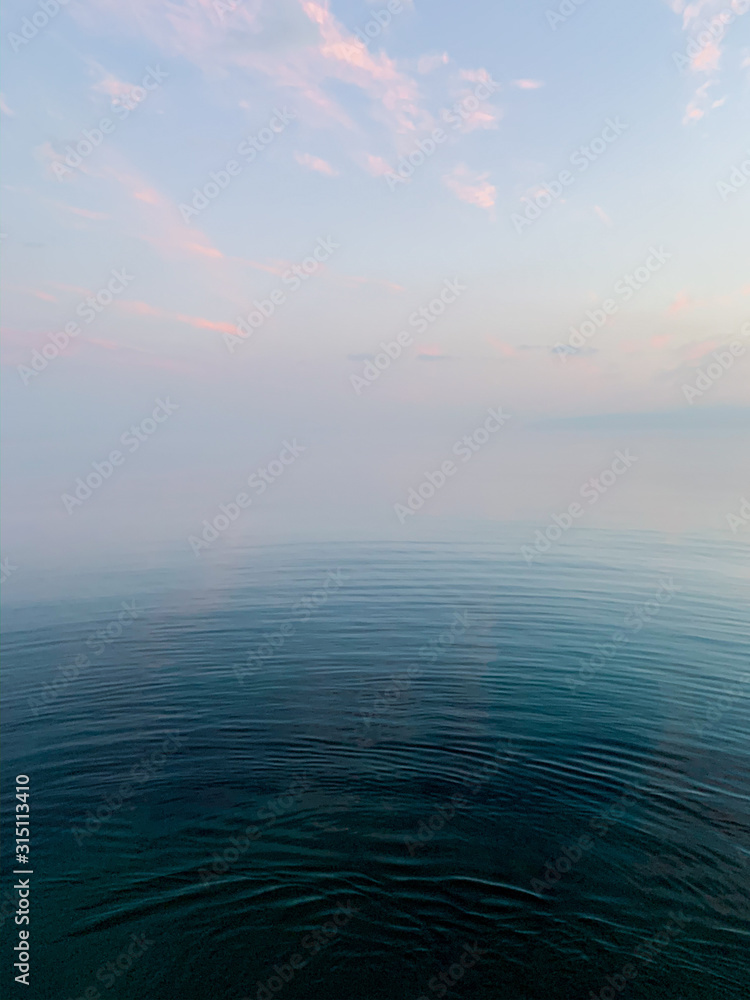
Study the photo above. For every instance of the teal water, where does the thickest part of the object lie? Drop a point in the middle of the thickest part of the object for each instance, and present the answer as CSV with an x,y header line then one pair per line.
x,y
346,771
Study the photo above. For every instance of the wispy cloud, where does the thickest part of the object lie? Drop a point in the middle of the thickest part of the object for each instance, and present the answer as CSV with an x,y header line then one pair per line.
x,y
698,106
198,322
315,163
376,165
107,83
705,28
84,213
680,303
428,64
472,187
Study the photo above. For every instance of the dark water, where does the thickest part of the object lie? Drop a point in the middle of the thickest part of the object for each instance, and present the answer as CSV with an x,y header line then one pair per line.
x,y
428,754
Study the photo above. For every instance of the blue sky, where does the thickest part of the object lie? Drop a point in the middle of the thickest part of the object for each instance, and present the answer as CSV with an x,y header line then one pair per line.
x,y
515,91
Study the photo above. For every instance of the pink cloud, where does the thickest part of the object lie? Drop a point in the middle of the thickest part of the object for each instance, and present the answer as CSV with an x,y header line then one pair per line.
x,y
206,251
697,107
159,222
471,187
603,215
139,308
528,84
707,59
346,57
698,351
504,349
205,324
481,118
376,165
315,163
692,11
277,267
86,213
702,58
326,53
475,75
148,195
144,309
108,83
37,293
681,302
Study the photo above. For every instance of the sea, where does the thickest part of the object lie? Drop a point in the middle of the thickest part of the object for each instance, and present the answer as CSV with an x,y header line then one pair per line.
x,y
373,770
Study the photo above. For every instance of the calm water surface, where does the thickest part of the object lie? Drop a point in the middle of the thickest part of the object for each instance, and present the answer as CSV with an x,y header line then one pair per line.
x,y
324,771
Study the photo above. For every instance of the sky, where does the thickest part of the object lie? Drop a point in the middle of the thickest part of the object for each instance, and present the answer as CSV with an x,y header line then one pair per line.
x,y
545,202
